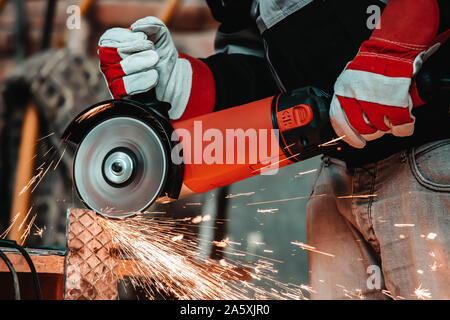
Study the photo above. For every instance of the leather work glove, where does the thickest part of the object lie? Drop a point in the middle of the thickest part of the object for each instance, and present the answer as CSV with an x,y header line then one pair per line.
x,y
374,94
143,57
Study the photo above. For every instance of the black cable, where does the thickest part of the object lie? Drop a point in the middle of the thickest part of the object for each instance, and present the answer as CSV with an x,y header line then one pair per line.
x,y
13,272
48,24
20,30
13,244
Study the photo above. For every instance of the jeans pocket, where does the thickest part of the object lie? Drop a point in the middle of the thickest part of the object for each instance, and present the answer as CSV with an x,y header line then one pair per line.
x,y
430,165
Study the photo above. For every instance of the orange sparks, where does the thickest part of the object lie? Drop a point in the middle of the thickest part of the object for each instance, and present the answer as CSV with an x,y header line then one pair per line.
x,y
179,269
93,112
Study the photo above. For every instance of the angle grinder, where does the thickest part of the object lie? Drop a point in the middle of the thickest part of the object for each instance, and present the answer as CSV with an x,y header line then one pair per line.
x,y
129,154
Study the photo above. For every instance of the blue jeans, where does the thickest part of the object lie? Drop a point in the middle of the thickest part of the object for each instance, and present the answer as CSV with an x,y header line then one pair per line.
x,y
382,231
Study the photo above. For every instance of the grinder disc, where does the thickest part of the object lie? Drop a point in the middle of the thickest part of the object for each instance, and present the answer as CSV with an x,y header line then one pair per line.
x,y
120,167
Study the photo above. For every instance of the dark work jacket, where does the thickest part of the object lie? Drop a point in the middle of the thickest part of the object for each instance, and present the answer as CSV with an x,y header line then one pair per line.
x,y
269,46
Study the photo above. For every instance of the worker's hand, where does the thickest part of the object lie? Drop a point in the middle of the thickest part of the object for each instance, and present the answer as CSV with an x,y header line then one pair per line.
x,y
372,95
143,57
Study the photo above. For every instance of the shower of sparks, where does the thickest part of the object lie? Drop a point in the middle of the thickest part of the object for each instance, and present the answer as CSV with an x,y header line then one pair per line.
x,y
435,266
422,293
311,248
42,176
222,244
27,228
230,196
178,269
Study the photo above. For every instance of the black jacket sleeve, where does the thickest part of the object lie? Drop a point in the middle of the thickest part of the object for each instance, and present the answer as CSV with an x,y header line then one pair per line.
x,y
241,74
239,79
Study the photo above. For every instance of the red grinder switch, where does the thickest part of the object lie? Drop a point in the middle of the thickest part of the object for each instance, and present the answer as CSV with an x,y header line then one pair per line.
x,y
294,117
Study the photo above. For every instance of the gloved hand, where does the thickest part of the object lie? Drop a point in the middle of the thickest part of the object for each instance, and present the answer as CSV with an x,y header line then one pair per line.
x,y
372,95
143,57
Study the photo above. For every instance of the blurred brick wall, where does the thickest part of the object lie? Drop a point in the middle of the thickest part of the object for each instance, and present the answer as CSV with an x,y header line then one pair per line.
x,y
192,26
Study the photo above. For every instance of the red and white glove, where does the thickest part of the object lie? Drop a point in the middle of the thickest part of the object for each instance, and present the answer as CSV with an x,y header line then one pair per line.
x,y
374,94
143,57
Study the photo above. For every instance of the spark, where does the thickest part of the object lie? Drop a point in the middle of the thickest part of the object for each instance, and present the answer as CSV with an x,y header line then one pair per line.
x,y
178,237
59,160
331,142
230,196
420,271
266,210
311,248
93,112
404,225
422,293
286,199
358,196
431,236
25,219
435,266
307,288
274,201
44,137
197,219
305,172
39,231
275,163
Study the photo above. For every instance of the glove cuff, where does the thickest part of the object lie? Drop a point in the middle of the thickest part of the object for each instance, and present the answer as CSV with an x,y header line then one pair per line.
x,y
203,93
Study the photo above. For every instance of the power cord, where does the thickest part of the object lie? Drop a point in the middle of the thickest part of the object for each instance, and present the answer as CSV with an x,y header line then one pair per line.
x,y
13,244
13,272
